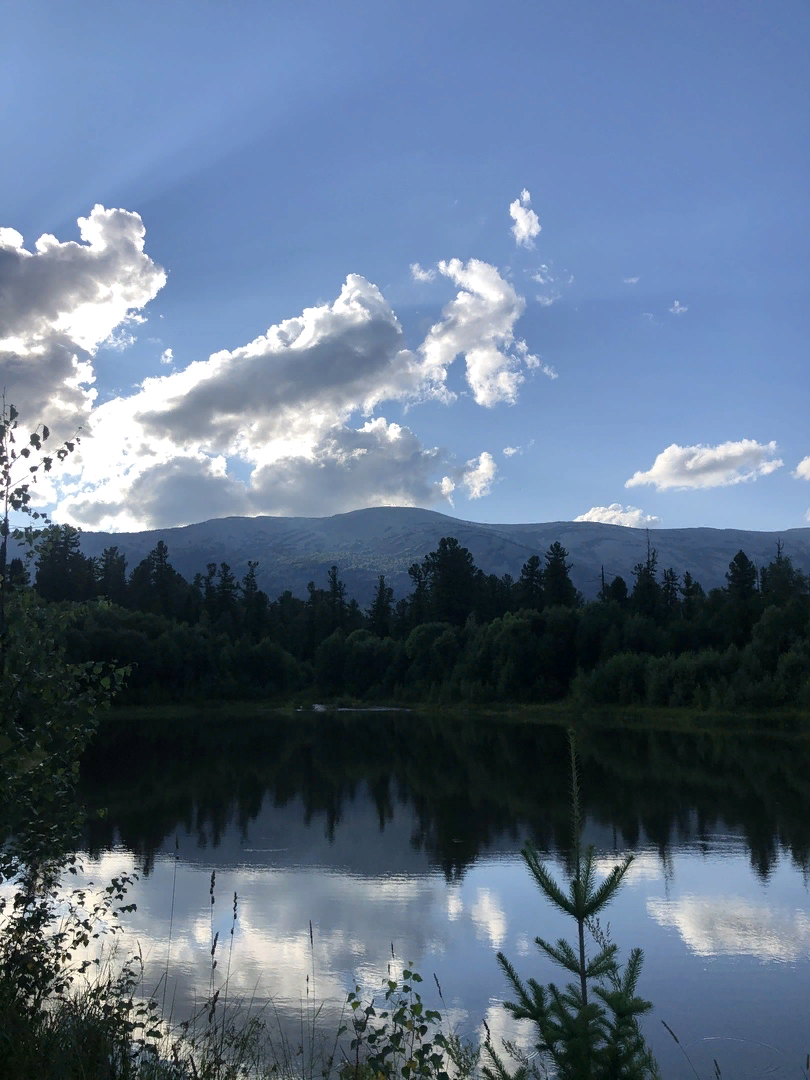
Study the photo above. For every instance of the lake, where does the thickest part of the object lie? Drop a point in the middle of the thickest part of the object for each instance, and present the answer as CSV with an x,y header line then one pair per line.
x,y
394,831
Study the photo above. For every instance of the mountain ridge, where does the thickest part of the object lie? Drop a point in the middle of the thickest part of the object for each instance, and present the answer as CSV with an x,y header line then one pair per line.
x,y
364,543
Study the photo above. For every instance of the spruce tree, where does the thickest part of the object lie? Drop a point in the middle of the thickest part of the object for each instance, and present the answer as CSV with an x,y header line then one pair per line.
x,y
589,1030
693,595
646,595
558,588
379,614
530,584
617,591
111,575
741,578
670,593
62,569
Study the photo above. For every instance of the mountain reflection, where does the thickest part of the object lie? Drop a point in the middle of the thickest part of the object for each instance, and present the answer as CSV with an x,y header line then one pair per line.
x,y
462,786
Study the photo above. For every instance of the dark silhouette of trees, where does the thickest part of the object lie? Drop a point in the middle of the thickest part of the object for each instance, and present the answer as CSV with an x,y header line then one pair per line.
x,y
529,588
558,589
111,575
741,578
460,635
63,572
380,612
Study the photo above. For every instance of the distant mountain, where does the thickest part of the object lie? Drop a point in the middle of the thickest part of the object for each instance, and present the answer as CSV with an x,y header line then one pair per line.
x,y
386,540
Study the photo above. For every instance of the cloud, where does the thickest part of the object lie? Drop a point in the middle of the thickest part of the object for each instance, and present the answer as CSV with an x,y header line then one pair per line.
x,y
478,324
802,471
281,406
631,280
527,225
532,362
735,926
616,514
678,308
119,340
547,275
419,274
489,918
547,301
479,475
510,451
682,467
59,304
288,423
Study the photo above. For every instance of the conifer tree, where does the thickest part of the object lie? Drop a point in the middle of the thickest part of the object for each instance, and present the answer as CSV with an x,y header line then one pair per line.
x,y
646,595
693,594
111,575
63,572
670,593
530,584
741,578
588,1030
254,603
452,579
558,588
617,591
379,614
336,599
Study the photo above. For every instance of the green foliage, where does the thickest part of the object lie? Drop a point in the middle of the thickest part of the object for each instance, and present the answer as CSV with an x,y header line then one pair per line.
x,y
401,1038
460,636
581,1038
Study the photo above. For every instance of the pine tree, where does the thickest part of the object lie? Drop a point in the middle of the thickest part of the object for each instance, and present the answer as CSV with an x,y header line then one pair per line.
x,y
646,595
558,588
589,1030
336,599
63,572
780,581
530,584
617,591
379,614
741,578
453,579
254,603
670,593
111,575
693,595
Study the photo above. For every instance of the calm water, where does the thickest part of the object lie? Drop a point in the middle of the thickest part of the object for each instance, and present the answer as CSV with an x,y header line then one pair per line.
x,y
397,831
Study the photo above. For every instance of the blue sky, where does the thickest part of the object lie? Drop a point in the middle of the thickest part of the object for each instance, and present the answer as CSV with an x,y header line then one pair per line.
x,y
271,150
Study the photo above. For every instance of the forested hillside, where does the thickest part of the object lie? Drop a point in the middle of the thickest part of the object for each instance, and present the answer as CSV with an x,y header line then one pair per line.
x,y
459,634
292,551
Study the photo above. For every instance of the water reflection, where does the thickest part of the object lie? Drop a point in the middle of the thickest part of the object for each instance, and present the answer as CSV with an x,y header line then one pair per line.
x,y
735,925
407,834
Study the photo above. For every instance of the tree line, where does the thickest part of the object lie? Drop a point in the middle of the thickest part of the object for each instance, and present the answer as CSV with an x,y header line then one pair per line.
x,y
459,635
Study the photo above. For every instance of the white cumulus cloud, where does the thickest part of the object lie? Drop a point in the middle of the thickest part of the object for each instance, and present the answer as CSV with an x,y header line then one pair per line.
x,y
678,308
479,475
510,451
700,466
631,280
478,324
527,224
418,274
61,302
802,471
616,514
288,423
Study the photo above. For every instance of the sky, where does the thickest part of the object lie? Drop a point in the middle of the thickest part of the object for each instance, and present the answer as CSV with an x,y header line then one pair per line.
x,y
517,262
